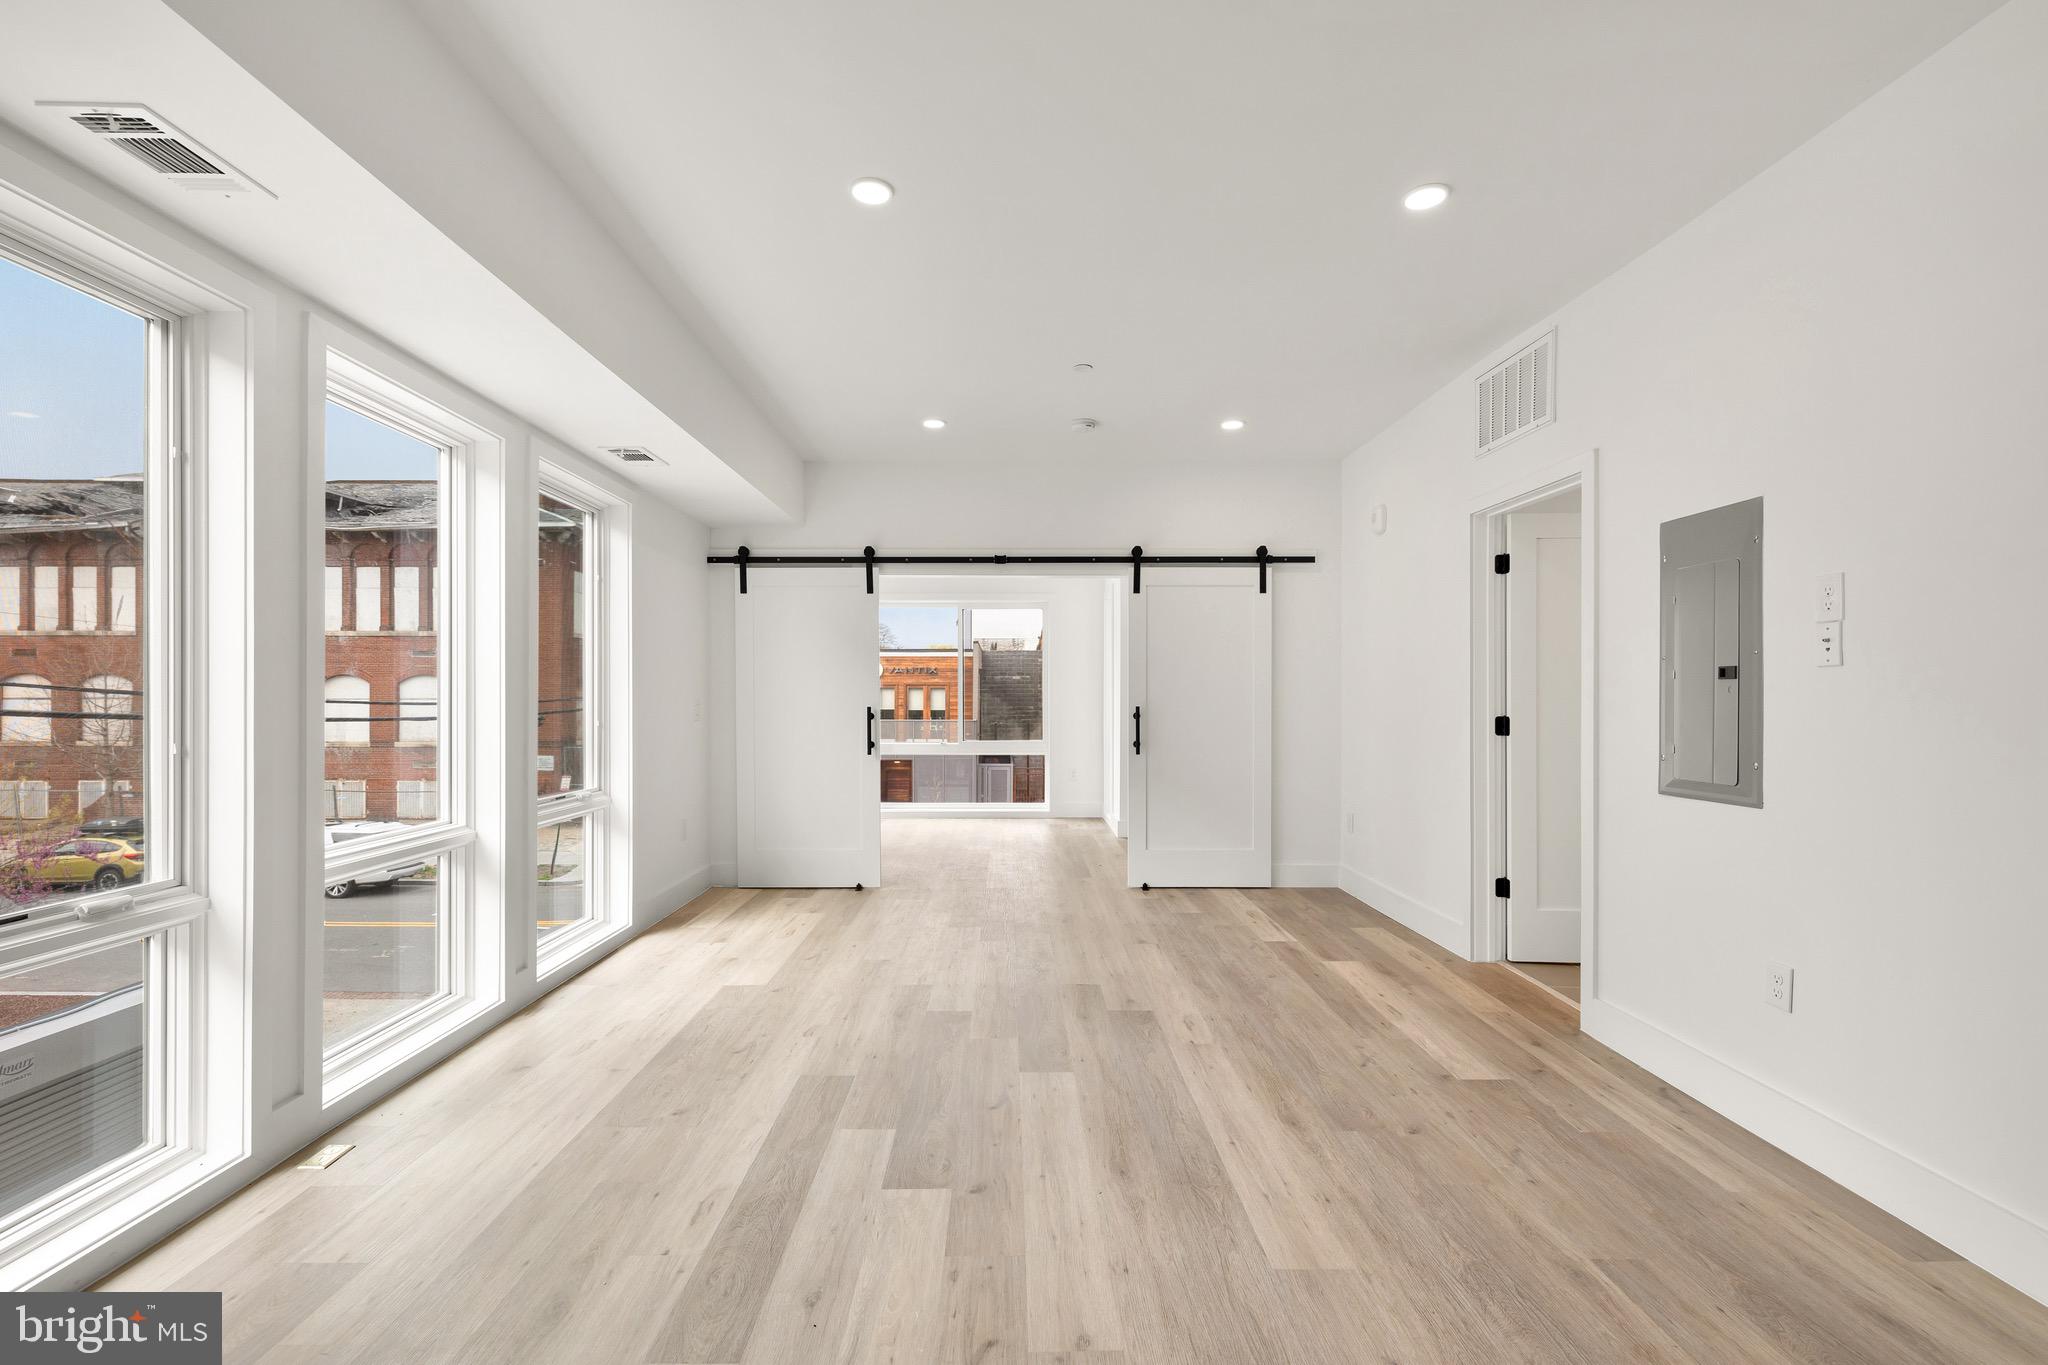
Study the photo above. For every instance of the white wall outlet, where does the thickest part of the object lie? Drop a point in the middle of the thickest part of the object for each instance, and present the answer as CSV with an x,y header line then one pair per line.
x,y
1778,988
1827,642
1827,605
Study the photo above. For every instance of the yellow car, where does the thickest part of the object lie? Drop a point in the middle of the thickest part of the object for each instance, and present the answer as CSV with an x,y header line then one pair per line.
x,y
102,864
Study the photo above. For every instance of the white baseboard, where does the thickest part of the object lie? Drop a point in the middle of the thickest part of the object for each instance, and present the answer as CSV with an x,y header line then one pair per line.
x,y
676,897
1304,874
1981,1231
1432,924
1075,810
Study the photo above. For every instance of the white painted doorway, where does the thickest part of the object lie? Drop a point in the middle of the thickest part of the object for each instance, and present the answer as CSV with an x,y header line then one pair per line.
x,y
1536,588
1543,901
804,691
1199,731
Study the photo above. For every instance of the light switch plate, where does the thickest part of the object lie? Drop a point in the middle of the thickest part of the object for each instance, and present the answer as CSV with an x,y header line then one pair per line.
x,y
1827,641
1827,603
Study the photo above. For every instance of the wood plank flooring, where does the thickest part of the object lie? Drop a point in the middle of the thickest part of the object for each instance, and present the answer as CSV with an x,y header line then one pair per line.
x,y
1004,1111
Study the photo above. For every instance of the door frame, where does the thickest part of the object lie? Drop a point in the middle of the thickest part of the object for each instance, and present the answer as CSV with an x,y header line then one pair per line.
x,y
1489,696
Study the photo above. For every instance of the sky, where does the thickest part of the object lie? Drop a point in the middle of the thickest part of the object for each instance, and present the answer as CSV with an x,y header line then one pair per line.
x,y
935,628
72,376
73,386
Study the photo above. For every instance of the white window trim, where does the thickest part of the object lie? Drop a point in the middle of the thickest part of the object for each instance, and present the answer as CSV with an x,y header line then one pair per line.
x,y
188,327
469,981
606,844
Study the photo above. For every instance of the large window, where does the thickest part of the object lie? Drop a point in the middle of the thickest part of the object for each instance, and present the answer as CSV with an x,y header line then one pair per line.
x,y
88,794
962,714
569,782
385,925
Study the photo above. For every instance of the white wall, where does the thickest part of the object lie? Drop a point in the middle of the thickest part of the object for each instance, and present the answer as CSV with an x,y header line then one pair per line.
x,y
1857,337
1085,508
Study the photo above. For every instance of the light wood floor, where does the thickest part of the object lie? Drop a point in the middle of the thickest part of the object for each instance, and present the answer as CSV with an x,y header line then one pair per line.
x,y
1006,1111
1562,977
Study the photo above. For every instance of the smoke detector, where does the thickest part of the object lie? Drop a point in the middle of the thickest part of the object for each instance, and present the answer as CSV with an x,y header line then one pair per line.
x,y
634,454
1085,424
151,139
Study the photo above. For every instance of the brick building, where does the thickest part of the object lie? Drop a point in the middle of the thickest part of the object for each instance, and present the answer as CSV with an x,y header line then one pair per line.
x,y
994,690
71,650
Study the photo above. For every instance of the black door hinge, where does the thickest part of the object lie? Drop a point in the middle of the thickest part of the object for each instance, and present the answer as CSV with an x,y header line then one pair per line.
x,y
1500,563
1500,887
1500,725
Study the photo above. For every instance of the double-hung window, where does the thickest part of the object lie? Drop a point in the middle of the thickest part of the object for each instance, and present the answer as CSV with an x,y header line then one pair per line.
x,y
98,930
396,828
572,802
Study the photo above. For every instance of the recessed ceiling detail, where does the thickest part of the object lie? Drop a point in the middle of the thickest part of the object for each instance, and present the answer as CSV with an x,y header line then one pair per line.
x,y
1216,220
1423,198
871,192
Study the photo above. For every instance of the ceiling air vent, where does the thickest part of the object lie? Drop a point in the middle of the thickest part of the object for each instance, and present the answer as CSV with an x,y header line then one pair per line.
x,y
1519,394
634,454
151,140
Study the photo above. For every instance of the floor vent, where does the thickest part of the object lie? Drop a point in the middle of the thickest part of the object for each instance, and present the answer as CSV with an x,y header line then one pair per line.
x,y
634,454
1519,394
137,130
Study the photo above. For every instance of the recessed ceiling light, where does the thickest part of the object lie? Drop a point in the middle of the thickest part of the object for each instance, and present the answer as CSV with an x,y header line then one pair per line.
x,y
872,192
934,423
1233,424
1425,197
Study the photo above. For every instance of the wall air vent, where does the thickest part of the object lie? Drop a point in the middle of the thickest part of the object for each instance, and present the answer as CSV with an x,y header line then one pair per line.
x,y
634,454
1519,394
138,131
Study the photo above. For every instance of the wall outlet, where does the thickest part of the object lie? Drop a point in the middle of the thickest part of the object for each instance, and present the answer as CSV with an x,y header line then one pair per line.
x,y
1827,644
1828,604
1778,988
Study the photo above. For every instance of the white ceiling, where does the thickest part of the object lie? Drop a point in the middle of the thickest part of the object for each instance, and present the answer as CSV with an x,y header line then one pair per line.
x,y
1200,199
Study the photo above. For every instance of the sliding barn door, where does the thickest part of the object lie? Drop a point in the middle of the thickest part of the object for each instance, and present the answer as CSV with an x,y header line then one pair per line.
x,y
1201,736
809,783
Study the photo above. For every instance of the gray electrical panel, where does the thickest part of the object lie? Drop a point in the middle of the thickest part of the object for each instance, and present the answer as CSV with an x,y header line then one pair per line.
x,y
1711,745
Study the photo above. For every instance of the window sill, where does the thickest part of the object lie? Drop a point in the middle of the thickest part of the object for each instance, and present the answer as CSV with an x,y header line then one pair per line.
x,y
568,947
362,1061
86,1218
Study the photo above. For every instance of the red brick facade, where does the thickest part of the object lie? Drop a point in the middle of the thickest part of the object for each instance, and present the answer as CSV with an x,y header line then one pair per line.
x,y
71,652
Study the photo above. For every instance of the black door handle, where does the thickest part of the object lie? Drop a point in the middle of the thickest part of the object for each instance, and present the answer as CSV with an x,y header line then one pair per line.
x,y
871,729
1137,729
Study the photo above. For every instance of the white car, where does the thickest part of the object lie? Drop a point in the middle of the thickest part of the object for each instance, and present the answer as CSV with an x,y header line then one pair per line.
x,y
335,835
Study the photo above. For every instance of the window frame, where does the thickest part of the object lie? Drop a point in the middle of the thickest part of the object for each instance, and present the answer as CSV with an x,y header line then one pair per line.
x,y
462,978
592,802
894,748
167,913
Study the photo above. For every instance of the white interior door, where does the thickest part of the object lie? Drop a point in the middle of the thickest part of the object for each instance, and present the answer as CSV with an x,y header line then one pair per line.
x,y
809,781
1200,745
1543,737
